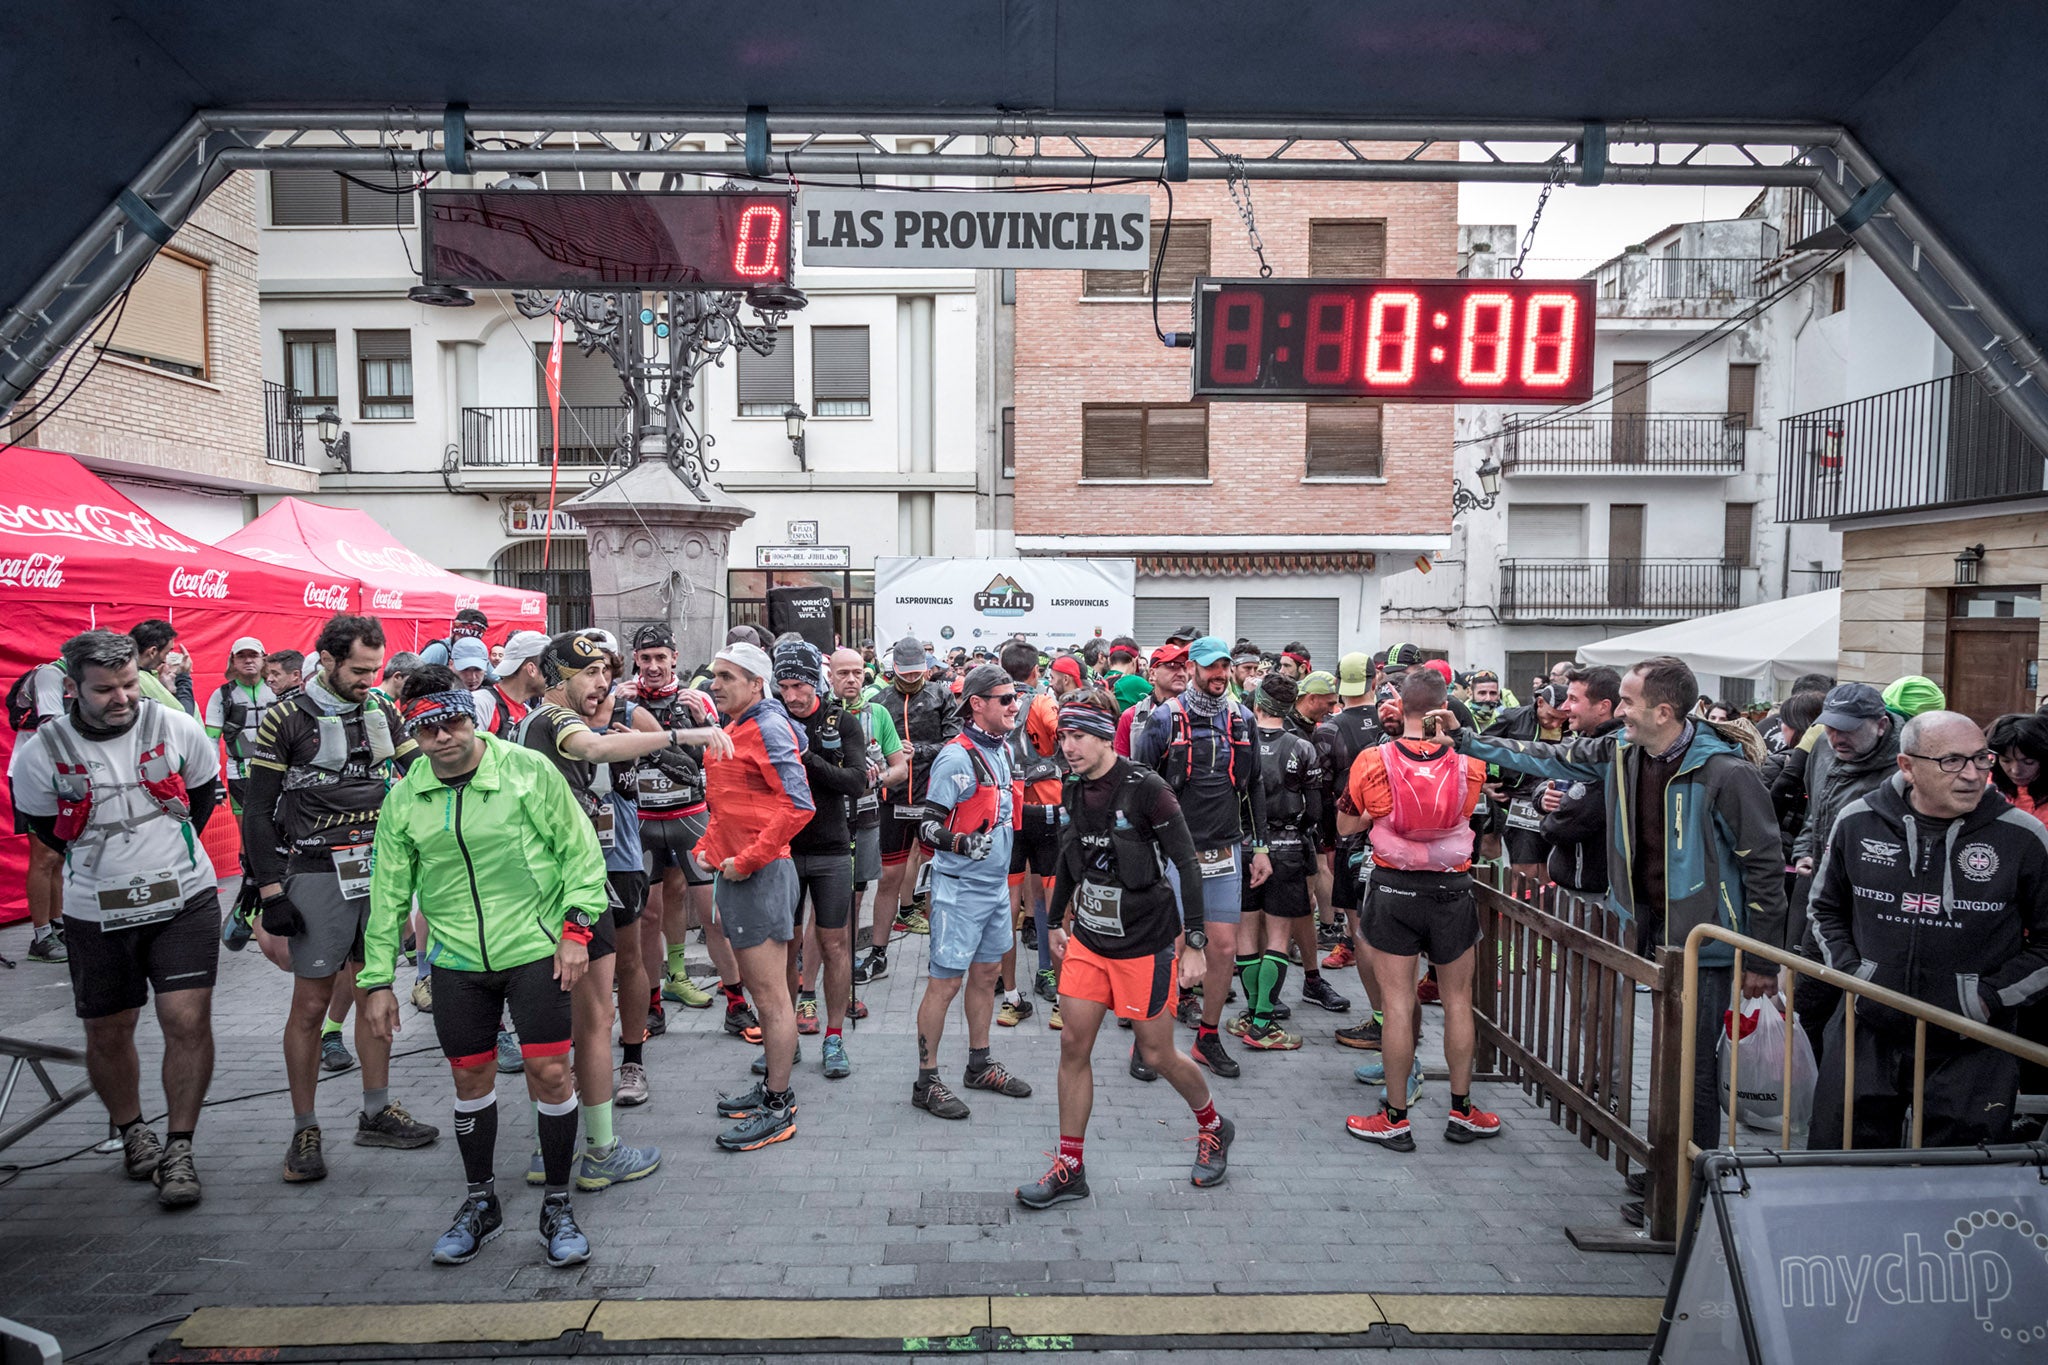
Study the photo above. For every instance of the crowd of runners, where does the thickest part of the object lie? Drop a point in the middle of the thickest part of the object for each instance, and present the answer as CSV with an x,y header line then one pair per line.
x,y
523,842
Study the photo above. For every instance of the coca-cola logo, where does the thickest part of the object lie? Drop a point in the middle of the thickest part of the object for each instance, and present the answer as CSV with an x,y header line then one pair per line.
x,y
90,521
266,554
33,571
211,584
387,599
332,597
530,607
387,559
468,600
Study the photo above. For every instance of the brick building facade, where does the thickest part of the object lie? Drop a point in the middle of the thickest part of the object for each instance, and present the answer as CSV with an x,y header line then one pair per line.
x,y
1273,520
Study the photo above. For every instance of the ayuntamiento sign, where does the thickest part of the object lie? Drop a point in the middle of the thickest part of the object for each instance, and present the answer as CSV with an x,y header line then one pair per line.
x,y
1002,230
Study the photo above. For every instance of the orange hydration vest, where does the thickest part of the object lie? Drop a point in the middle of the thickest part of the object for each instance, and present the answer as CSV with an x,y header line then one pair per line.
x,y
1428,829
976,813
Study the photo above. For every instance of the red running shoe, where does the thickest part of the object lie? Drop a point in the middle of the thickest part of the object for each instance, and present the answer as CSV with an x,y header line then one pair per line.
x,y
1380,1129
1426,993
1339,958
1470,1125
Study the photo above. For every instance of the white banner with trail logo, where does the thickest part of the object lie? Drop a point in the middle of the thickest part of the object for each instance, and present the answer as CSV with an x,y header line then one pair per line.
x,y
969,602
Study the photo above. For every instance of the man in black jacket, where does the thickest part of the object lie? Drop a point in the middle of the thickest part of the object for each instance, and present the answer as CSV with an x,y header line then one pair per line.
x,y
1934,886
1522,827
1575,813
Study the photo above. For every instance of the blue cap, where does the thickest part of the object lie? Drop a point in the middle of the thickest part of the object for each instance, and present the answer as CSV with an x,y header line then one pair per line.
x,y
1208,650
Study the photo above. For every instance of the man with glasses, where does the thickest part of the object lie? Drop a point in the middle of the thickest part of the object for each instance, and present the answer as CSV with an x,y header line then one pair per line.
x,y
1937,887
971,810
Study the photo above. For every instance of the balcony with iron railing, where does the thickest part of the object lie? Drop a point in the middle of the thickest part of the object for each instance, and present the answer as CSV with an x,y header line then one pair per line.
x,y
284,435
1616,589
1660,443
1944,443
510,437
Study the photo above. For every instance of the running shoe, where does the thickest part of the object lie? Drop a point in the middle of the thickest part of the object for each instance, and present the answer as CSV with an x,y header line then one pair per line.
x,y
177,1179
1365,1035
49,948
760,1066
657,1019
1379,1128
873,967
303,1161
631,1090
565,1241
996,1078
408,950
1282,1010
509,1056
1317,991
913,922
236,931
1212,1154
334,1053
1047,987
1374,1072
598,1171
140,1152
807,1015
857,1008
1272,1038
1240,1024
478,1221
749,1101
763,1127
1052,1021
1208,1051
741,1022
1426,992
678,986
423,994
1029,933
837,1065
941,1103
393,1127
1188,1012
1063,1182
1339,957
536,1169
1014,1012
1471,1124
1141,1070
1329,935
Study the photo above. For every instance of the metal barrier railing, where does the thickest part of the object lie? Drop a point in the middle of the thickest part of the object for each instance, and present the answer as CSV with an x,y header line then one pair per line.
x,y
1922,1014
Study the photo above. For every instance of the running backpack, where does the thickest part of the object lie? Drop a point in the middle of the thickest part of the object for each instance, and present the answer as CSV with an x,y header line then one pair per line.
x,y
22,715
1026,763
1178,765
1427,830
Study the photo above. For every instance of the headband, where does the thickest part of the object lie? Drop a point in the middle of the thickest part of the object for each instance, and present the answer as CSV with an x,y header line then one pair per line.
x,y
438,708
1301,659
1123,651
1088,720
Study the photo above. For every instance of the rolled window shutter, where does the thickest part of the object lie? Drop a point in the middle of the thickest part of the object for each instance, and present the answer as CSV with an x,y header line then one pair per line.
x,y
165,317
1112,443
1177,443
384,345
1154,618
364,207
768,380
1355,248
839,363
305,198
1344,440
1187,255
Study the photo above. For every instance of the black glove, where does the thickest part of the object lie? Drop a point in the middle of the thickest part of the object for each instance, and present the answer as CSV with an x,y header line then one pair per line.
x,y
281,918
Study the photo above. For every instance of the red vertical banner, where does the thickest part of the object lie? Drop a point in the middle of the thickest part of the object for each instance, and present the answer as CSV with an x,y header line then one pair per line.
x,y
554,382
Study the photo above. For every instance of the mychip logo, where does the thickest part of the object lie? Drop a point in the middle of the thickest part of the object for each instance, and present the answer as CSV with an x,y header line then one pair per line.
x,y
1970,1263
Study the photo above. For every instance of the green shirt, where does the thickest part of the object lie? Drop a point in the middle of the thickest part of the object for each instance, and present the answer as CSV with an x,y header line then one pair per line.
x,y
883,730
153,688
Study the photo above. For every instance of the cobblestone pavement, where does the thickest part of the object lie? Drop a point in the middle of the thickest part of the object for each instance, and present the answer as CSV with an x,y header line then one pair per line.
x,y
872,1197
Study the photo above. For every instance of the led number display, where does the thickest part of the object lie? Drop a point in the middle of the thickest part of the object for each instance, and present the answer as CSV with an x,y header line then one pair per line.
x,y
605,239
1419,341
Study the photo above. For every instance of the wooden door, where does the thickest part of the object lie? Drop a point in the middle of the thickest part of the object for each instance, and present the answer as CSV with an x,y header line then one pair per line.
x,y
1988,661
1631,411
1625,555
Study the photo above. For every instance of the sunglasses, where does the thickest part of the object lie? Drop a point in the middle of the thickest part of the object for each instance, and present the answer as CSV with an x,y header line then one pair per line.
x,y
1002,699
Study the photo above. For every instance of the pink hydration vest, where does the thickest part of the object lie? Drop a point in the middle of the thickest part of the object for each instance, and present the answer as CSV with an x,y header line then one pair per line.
x,y
1428,830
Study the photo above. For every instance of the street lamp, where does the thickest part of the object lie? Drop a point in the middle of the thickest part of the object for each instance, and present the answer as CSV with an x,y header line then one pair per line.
x,y
793,424
1464,500
332,437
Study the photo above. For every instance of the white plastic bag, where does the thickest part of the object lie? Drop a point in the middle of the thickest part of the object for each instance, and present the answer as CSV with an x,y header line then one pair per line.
x,y
1762,1087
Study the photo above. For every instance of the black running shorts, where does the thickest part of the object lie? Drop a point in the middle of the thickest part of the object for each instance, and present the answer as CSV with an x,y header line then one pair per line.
x,y
1409,914
116,971
469,1005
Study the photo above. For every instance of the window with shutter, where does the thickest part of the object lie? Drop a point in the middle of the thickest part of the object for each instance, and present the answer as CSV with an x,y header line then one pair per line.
x,y
1145,441
768,382
310,370
163,324
1187,255
1270,622
839,371
1155,618
1742,393
1009,443
384,373
1738,533
1353,247
1547,530
1344,440
324,199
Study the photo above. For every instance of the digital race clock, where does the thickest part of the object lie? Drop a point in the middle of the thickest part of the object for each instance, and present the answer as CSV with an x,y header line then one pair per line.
x,y
605,239
1418,341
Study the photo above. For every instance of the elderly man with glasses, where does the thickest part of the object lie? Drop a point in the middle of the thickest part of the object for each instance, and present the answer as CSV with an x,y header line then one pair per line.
x,y
1935,886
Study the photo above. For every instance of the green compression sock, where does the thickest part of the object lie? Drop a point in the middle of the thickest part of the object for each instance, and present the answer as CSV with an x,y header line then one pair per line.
x,y
597,1125
675,959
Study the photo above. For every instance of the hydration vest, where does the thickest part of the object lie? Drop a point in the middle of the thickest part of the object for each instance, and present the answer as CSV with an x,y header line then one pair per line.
x,y
22,715
1284,761
361,736
670,781
1427,830
1240,760
1136,861
506,715
162,784
976,813
1028,765
239,718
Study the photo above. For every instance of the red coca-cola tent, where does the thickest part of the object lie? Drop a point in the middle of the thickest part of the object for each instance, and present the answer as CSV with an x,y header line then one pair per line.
x,y
75,554
414,598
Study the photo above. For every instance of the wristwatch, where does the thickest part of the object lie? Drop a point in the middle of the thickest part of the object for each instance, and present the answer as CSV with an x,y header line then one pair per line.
x,y
1197,939
581,918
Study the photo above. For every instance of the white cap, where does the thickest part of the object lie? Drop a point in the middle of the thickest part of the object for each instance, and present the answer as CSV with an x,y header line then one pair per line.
x,y
523,645
747,658
247,644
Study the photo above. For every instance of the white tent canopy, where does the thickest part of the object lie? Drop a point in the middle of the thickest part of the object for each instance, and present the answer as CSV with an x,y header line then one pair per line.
x,y
1771,640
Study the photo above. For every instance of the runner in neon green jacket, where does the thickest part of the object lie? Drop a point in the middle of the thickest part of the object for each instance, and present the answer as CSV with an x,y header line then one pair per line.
x,y
497,864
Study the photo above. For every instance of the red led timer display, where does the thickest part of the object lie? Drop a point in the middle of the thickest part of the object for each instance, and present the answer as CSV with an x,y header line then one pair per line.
x,y
1441,341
